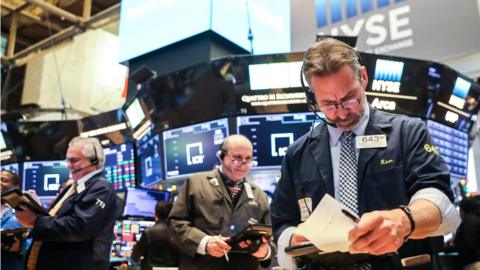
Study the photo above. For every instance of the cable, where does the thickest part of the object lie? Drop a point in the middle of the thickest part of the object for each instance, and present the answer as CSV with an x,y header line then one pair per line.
x,y
250,33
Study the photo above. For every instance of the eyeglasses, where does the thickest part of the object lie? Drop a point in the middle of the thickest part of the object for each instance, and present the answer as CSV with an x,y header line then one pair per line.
x,y
345,104
239,161
72,160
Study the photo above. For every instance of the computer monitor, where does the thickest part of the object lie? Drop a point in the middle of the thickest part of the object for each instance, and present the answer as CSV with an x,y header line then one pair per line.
x,y
452,146
44,177
150,161
126,234
120,166
142,202
272,134
193,148
12,167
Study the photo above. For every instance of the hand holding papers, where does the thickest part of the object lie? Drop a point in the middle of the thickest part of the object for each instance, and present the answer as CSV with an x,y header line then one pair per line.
x,y
328,226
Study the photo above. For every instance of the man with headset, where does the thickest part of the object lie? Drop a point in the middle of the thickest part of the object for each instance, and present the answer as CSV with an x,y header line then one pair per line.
x,y
217,204
399,188
78,232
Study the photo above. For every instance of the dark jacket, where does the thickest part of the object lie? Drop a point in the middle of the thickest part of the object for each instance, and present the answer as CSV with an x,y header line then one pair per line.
x,y
80,235
204,207
467,239
156,248
387,177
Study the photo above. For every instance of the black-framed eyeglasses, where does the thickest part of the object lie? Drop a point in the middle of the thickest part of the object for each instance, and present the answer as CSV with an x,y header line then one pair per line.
x,y
349,103
239,161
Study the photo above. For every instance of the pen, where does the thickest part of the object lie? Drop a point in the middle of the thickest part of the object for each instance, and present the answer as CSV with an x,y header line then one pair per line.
x,y
225,251
350,215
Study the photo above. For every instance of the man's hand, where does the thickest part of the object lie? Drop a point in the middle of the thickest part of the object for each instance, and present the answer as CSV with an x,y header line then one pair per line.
x,y
26,216
298,239
217,247
16,246
261,252
379,232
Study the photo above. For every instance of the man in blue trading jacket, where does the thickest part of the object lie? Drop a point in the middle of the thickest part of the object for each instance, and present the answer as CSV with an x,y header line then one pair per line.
x,y
78,232
400,186
216,204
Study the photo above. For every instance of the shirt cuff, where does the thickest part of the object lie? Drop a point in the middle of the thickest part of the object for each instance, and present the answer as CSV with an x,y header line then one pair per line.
x,y
450,217
284,260
202,247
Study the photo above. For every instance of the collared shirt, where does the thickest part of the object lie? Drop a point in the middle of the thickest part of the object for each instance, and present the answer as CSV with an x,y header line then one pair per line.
x,y
81,182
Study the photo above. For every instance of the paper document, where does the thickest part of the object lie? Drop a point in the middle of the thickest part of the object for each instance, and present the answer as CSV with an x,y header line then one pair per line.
x,y
327,227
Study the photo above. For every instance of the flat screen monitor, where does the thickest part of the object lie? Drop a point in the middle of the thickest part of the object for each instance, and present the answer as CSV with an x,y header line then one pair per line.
x,y
452,146
456,100
150,160
126,234
193,148
12,167
44,177
135,113
120,166
272,134
142,202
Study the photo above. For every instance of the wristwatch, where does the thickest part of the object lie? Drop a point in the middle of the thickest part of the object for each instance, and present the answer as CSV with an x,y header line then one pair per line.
x,y
408,212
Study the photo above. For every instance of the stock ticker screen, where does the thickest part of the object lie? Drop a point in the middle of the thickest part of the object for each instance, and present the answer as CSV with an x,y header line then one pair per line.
x,y
272,134
148,155
193,148
119,166
45,177
452,146
126,234
142,202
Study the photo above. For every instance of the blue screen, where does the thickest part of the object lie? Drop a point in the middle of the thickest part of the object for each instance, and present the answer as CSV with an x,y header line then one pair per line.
x,y
142,202
150,160
452,146
120,166
13,167
45,177
272,134
193,148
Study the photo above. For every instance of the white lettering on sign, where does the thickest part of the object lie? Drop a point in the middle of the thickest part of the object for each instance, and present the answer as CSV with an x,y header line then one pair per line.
x,y
384,104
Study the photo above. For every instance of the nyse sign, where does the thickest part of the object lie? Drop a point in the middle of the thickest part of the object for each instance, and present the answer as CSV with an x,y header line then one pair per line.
x,y
385,31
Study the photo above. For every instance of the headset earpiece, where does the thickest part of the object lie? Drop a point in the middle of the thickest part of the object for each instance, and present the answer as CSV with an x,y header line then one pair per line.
x,y
94,160
309,94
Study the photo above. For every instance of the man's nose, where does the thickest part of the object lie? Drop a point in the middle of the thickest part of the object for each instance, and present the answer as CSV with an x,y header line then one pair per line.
x,y
341,112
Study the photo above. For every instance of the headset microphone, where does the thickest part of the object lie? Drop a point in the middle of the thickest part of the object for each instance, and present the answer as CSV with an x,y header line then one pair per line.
x,y
79,169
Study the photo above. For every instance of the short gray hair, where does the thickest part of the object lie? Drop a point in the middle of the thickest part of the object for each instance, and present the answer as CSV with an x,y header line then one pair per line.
x,y
91,148
328,56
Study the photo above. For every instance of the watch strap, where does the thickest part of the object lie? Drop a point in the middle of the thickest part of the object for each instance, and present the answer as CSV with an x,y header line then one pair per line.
x,y
409,214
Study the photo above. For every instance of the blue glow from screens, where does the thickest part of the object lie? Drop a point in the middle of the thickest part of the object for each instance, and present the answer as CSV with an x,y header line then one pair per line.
x,y
147,25
119,166
45,177
192,148
452,145
461,88
272,134
387,70
150,162
142,202
12,167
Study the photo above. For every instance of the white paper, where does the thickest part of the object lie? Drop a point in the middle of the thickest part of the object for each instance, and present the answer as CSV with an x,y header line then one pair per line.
x,y
327,227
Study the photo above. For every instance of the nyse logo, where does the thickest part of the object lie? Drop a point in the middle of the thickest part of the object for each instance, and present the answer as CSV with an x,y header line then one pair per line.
x,y
388,75
378,26
51,182
280,151
194,148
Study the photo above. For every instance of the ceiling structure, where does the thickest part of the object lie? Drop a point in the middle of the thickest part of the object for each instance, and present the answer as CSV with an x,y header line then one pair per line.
x,y
32,26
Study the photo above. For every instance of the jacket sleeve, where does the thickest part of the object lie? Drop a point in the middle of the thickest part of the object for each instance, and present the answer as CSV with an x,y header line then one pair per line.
x,y
140,247
424,168
94,210
185,236
283,208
